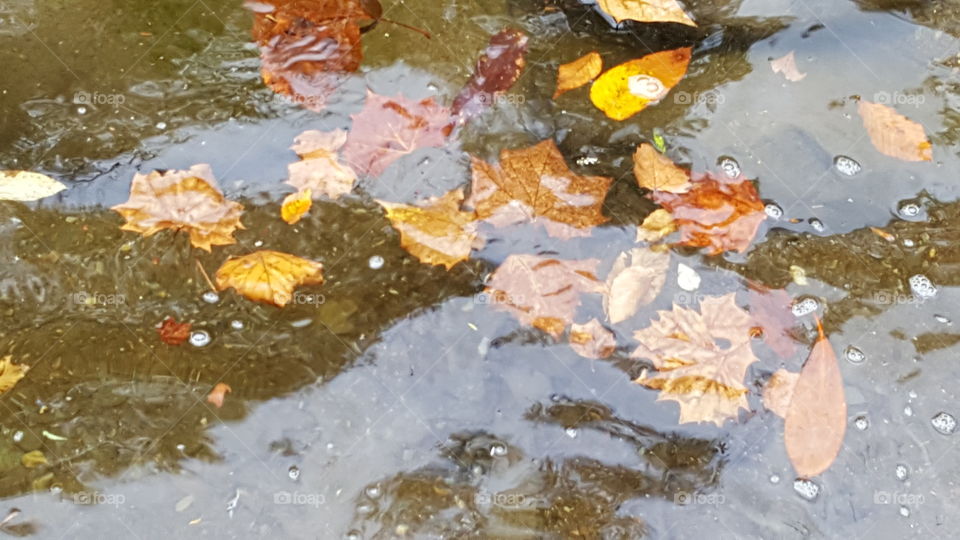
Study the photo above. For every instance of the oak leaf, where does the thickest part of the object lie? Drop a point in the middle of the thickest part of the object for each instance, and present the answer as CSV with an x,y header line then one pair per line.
x,y
181,201
578,73
10,373
295,205
534,183
893,134
268,276
319,168
627,89
173,333
655,171
635,280
436,231
592,340
701,358
787,64
542,292
498,68
218,394
646,11
27,186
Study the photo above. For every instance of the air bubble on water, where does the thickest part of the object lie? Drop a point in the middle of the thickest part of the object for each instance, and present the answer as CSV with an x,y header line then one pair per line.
x,y
18,436
861,423
847,165
236,324
904,511
817,225
805,307
773,210
922,287
81,109
854,355
912,395
375,262
572,432
774,478
353,535
293,472
909,209
687,278
365,509
258,243
373,491
901,472
944,423
498,450
424,162
729,166
199,338
907,242
211,297
942,319
161,125
908,410
807,489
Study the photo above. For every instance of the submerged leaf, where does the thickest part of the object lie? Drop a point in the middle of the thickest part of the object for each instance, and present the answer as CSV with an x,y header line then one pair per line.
x,y
10,373
656,172
27,186
635,280
778,392
218,394
268,276
787,64
656,226
771,310
893,134
319,168
295,205
578,73
646,11
498,68
592,340
627,89
437,231
173,333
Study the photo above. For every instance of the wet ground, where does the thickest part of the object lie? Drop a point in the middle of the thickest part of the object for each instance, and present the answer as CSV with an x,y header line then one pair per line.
x,y
401,406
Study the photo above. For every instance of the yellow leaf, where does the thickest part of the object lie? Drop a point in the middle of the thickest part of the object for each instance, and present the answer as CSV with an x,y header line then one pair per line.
x,y
646,11
10,373
627,89
578,73
33,459
268,276
27,186
436,232
319,168
656,172
894,134
295,205
658,224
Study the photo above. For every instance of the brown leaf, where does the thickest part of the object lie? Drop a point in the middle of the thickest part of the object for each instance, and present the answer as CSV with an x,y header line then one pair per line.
x,y
218,394
646,11
778,391
635,280
437,231
656,172
578,73
181,200
173,333
787,64
592,340
499,66
319,168
656,226
390,128
771,310
295,205
542,292
10,373
893,134
694,369
720,214
268,276
535,182
627,89
816,420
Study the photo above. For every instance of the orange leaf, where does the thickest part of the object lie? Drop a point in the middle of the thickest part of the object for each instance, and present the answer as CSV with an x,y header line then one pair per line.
x,y
578,73
646,11
10,373
268,276
437,231
592,340
319,169
173,333
787,64
893,134
627,89
295,205
218,394
656,172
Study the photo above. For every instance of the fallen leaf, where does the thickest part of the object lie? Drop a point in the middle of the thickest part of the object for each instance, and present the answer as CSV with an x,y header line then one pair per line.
x,y
387,129
627,89
535,182
646,11
27,186
578,73
893,134
436,231
295,205
778,391
635,280
498,68
33,459
173,333
218,394
592,340
268,276
816,419
883,234
181,201
10,373
655,171
694,369
542,292
657,225
771,310
319,168
720,214
787,64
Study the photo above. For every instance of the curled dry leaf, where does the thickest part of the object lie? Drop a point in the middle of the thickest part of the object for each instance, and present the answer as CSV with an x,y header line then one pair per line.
x,y
437,231
635,280
627,89
787,64
319,169
778,391
498,68
173,333
27,186
657,225
701,358
181,201
893,134
268,276
542,292
578,73
534,183
816,419
295,205
218,394
771,310
387,129
33,459
646,11
10,373
720,214
656,172
592,340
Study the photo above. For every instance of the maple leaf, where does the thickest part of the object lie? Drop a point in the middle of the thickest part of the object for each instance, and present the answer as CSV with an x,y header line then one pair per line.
x,y
436,231
535,182
27,186
656,172
627,89
390,128
701,358
319,168
719,214
10,373
771,310
173,333
893,134
268,276
578,73
542,292
635,280
646,11
181,200
295,205
787,64
498,68
218,394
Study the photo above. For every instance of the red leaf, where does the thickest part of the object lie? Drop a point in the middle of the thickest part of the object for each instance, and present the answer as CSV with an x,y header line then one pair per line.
x,y
770,309
173,333
218,394
498,68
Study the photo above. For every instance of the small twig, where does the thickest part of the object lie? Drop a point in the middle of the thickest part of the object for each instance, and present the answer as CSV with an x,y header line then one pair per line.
x,y
423,33
206,277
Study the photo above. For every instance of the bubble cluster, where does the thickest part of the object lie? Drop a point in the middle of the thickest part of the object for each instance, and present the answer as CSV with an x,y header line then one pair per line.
x,y
847,165
808,489
861,423
854,355
729,166
805,306
944,423
773,210
922,287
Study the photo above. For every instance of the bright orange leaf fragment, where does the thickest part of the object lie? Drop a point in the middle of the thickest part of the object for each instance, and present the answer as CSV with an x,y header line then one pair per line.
x,y
218,394
578,73
268,276
627,89
295,205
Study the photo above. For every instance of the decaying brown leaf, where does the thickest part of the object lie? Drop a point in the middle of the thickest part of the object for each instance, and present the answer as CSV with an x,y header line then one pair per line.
x,y
893,134
656,172
535,184
542,292
657,225
787,64
592,340
436,231
319,168
635,280
295,205
218,394
578,73
778,391
268,276
646,11
173,333
498,68
10,373
181,201
693,368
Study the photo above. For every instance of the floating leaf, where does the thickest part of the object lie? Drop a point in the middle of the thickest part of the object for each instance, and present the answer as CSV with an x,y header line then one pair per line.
x,y
181,200
542,292
27,186
498,68
656,226
10,373
778,391
535,182
771,310
627,89
656,172
893,134
787,64
701,358
319,169
437,231
33,459
592,340
646,11
173,333
218,394
295,205
578,73
268,276
635,280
